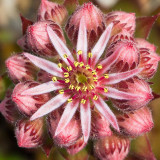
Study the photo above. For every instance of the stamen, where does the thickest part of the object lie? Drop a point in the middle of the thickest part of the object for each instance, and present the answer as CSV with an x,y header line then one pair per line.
x,y
106,76
69,68
105,90
89,54
84,88
67,80
54,79
81,64
99,66
69,100
66,74
71,87
87,66
61,91
77,88
76,63
65,56
83,101
79,52
95,97
94,72
92,86
60,65
95,79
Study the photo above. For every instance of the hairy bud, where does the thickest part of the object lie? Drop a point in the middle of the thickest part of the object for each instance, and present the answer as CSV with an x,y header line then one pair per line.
x,y
28,104
51,11
29,134
112,148
136,122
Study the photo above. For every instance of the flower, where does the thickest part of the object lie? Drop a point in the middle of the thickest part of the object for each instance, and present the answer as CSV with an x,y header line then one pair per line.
x,y
73,89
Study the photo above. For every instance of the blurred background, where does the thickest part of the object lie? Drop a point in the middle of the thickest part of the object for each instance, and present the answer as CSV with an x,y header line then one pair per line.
x,y
10,31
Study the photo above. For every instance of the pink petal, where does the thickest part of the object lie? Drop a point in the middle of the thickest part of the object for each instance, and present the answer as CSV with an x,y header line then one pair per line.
x,y
100,46
82,39
117,77
59,45
43,88
51,105
85,120
116,94
67,115
103,108
109,61
45,65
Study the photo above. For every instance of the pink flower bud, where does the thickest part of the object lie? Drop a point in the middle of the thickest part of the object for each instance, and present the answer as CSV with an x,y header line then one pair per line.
x,y
112,148
44,76
100,126
149,62
94,23
29,134
134,86
51,11
128,54
136,122
77,146
8,108
142,43
28,104
69,135
122,21
20,68
38,39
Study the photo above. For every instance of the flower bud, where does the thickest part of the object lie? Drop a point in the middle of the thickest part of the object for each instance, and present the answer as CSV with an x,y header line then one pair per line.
x,y
29,134
94,23
20,68
77,146
134,86
22,42
136,122
8,108
38,39
128,54
142,43
28,104
149,62
122,21
100,126
44,76
69,135
112,148
51,11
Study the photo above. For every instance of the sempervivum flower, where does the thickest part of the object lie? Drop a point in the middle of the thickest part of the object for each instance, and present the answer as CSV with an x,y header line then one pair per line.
x,y
112,148
81,81
51,11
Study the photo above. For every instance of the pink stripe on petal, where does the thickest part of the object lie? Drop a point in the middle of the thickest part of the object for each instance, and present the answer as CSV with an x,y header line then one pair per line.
x,y
43,88
85,120
67,115
103,108
100,46
116,94
82,40
51,105
109,61
118,77
45,65
59,45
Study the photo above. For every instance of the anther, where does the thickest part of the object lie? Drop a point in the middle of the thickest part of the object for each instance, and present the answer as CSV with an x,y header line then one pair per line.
x,y
77,88
67,80
95,97
69,100
69,68
95,79
76,63
89,54
92,86
94,72
65,56
79,52
87,66
54,79
105,90
106,76
81,64
83,101
71,86
61,91
66,74
84,88
99,66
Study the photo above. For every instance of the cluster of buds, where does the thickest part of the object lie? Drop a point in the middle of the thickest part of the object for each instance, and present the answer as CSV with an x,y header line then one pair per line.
x,y
71,89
